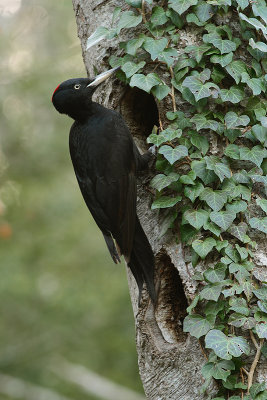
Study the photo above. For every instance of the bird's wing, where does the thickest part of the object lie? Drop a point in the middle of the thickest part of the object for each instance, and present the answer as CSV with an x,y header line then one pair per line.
x,y
117,198
116,188
106,176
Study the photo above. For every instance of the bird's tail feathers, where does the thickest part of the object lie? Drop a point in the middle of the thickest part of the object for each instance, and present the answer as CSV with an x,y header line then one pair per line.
x,y
112,248
142,263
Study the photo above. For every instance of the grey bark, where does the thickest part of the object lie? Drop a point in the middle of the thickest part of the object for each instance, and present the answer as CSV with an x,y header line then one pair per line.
x,y
170,361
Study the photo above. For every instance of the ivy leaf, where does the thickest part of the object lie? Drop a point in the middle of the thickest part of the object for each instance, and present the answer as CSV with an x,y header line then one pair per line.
x,y
221,244
171,134
239,305
260,224
257,391
218,370
188,179
232,120
167,56
199,89
192,304
237,320
241,177
214,198
262,203
223,60
155,46
198,51
243,3
215,275
254,22
134,3
240,272
173,154
192,18
200,142
180,6
258,45
239,231
130,68
224,346
237,206
160,91
156,139
203,247
232,134
225,46
145,82
222,218
201,122
232,253
161,181
211,292
167,223
255,84
261,293
158,16
99,34
244,191
133,45
260,133
243,252
196,218
165,202
235,69
183,62
196,325
204,11
220,169
255,155
232,151
192,192
200,169
128,19
210,226
261,329
187,233
234,95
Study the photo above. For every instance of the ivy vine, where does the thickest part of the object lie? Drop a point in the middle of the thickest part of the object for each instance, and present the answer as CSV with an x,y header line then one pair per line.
x,y
211,163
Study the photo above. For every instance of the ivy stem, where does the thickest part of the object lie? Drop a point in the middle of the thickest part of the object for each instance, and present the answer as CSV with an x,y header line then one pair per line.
x,y
256,359
244,370
243,381
203,351
143,12
172,91
252,337
160,124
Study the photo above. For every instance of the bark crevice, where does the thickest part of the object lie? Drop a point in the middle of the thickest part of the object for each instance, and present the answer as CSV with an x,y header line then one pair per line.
x,y
172,303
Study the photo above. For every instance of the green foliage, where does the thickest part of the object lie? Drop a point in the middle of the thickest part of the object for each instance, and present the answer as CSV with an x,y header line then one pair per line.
x,y
209,158
50,282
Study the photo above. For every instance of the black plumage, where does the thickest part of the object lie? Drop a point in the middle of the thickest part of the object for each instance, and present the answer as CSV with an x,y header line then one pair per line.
x,y
106,161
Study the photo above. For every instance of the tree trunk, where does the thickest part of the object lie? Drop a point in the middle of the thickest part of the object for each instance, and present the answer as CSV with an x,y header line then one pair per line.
x,y
170,360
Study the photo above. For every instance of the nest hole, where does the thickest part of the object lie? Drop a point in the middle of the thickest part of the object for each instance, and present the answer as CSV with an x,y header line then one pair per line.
x,y
172,300
140,111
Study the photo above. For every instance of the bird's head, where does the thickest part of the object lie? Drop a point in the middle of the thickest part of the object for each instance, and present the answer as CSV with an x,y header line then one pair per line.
x,y
74,96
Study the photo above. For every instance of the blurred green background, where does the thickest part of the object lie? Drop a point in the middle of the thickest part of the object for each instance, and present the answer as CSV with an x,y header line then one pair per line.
x,y
60,293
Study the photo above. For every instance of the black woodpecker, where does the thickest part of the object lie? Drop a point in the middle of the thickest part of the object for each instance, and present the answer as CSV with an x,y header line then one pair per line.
x,y
106,161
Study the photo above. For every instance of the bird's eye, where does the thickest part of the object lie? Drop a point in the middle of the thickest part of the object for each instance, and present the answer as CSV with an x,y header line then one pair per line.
x,y
77,86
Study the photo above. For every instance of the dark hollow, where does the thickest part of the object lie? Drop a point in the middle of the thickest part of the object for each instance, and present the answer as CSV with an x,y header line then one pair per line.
x,y
140,111
171,295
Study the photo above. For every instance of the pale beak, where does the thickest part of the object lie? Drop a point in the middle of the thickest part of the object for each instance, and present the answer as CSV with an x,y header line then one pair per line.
x,y
102,77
